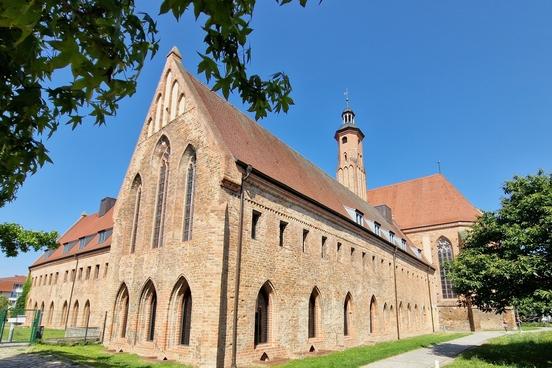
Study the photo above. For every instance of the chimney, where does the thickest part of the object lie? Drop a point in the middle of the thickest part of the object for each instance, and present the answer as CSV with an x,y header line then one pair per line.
x,y
105,205
385,211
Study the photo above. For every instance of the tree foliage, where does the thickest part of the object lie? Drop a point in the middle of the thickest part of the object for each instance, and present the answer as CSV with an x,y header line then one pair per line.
x,y
14,239
71,61
21,301
4,302
507,255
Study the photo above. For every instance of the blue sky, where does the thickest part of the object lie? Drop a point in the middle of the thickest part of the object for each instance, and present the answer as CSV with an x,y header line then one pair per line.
x,y
467,83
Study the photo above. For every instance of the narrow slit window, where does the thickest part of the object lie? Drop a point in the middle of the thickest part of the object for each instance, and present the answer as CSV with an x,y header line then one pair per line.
x,y
283,226
323,247
305,237
255,216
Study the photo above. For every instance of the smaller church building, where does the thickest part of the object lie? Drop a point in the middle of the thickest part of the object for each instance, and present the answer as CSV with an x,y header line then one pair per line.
x,y
227,248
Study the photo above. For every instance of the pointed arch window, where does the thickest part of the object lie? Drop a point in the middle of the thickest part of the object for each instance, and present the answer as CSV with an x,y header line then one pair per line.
x,y
444,253
86,314
262,315
50,314
152,316
314,308
120,313
180,314
64,314
137,188
189,198
75,314
159,215
147,314
347,312
373,314
186,320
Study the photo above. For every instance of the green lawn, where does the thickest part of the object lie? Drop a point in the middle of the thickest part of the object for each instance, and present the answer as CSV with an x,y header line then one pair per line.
x,y
23,334
525,350
355,357
95,355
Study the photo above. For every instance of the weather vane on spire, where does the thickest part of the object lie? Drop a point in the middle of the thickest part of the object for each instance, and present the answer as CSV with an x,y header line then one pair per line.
x,y
346,93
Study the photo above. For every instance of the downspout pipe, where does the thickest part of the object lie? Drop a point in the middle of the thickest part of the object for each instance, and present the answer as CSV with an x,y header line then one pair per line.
x,y
238,269
396,296
72,288
430,302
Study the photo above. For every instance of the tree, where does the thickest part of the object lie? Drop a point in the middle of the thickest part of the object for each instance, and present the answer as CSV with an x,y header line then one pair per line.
x,y
507,256
4,302
21,301
14,239
102,46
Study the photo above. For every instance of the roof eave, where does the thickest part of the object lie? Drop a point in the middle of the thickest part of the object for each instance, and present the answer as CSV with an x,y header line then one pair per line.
x,y
333,212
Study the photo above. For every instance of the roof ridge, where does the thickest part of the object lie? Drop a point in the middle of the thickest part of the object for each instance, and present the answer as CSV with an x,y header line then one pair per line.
x,y
241,113
408,181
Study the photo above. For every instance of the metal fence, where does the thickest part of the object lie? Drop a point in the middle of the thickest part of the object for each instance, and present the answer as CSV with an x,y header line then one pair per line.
x,y
22,328
28,328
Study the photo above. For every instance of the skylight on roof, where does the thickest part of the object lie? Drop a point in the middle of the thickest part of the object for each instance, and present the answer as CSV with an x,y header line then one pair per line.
x,y
68,246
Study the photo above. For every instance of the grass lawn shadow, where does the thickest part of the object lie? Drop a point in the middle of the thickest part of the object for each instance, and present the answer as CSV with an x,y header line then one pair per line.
x,y
527,350
96,356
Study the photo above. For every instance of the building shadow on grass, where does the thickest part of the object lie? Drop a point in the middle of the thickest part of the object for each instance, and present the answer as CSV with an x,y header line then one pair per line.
x,y
70,359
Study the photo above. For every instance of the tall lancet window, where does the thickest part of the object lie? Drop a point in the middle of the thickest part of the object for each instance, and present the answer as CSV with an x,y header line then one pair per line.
x,y
161,200
444,252
137,189
189,194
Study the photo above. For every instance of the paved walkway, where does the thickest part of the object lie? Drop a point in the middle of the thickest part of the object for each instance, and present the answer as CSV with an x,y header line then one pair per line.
x,y
444,353
17,356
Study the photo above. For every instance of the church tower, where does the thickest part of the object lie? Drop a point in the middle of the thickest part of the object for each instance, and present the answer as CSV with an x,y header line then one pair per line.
x,y
350,169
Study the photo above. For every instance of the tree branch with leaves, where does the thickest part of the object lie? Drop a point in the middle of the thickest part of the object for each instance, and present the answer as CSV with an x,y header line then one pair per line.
x,y
103,46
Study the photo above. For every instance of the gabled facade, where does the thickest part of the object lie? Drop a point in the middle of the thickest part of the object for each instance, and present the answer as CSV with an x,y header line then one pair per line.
x,y
436,217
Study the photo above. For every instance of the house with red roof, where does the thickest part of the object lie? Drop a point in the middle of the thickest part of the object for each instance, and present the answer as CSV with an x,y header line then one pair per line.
x,y
12,287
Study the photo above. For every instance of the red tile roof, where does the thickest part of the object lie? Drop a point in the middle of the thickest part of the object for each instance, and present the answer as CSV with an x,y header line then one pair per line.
x,y
87,225
426,201
251,144
7,283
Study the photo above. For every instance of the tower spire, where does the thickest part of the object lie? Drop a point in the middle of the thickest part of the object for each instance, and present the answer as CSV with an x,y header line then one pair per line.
x,y
346,93
350,168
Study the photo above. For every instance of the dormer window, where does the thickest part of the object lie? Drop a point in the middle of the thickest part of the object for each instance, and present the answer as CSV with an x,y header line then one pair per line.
x,y
391,236
403,243
377,228
359,217
103,235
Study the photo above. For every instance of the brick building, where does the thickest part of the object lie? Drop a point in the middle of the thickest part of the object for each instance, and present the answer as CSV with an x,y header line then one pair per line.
x,y
228,247
68,283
